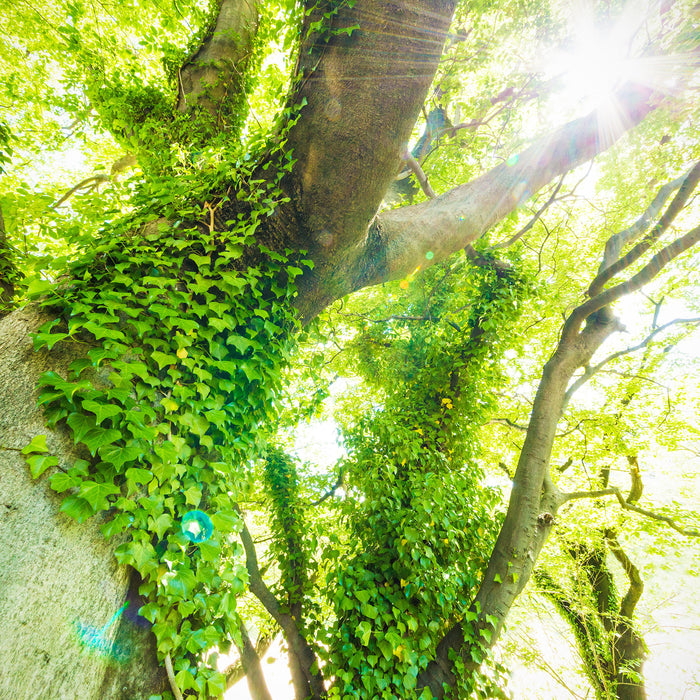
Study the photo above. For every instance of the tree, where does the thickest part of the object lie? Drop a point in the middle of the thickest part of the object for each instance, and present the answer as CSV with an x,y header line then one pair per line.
x,y
159,358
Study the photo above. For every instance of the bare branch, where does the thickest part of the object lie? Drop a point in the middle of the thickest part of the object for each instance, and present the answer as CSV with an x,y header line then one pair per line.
x,y
616,243
609,267
509,423
330,492
420,175
171,678
89,183
449,222
255,582
306,680
533,220
590,371
637,281
614,491
251,665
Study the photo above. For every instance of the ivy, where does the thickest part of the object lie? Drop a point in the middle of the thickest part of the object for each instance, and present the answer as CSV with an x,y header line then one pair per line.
x,y
185,340
422,523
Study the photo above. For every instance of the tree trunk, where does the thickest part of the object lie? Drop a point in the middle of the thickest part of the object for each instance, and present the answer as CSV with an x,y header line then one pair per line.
x,y
65,636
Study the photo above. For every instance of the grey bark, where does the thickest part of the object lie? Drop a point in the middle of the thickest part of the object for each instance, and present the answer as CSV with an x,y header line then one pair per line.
x,y
60,585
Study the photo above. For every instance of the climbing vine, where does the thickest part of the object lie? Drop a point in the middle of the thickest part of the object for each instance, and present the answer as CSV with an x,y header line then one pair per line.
x,y
184,344
424,524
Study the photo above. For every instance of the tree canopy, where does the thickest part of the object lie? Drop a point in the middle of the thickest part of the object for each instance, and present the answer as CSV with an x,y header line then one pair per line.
x,y
462,233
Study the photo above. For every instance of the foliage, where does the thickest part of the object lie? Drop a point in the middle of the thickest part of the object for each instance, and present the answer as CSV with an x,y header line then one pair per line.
x,y
421,522
170,405
193,362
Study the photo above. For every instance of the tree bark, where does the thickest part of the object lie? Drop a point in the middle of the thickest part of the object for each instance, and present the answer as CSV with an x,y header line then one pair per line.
x,y
251,666
60,582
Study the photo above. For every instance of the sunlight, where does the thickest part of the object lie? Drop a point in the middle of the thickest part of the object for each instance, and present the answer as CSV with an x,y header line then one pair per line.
x,y
597,60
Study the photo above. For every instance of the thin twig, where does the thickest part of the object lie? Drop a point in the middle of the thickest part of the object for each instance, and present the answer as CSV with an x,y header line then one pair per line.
x,y
533,220
330,492
92,181
590,371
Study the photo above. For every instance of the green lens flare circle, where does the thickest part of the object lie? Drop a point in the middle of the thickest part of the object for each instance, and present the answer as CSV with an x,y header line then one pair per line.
x,y
197,526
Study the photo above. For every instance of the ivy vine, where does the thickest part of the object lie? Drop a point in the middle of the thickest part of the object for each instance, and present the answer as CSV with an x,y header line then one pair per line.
x,y
184,341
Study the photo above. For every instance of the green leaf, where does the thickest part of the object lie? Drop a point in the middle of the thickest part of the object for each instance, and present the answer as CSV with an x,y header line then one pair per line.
x,y
363,596
80,424
193,495
116,525
38,444
77,508
369,610
139,476
101,410
47,339
98,437
61,482
118,455
364,631
38,464
226,521
96,493
163,359
161,524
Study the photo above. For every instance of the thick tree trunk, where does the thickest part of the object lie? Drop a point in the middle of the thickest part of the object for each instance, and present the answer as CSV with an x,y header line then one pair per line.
x,y
60,586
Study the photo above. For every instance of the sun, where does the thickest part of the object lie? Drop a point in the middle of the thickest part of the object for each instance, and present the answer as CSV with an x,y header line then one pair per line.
x,y
596,59
596,67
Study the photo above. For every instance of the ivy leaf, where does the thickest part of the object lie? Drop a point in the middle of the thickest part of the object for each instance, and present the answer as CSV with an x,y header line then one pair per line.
x,y
226,521
77,508
101,410
368,610
193,495
61,482
98,437
139,476
38,464
96,493
101,332
163,359
118,455
47,339
161,524
80,424
116,525
363,631
38,444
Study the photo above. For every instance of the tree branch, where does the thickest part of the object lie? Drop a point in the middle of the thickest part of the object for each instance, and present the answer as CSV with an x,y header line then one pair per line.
x,y
611,268
636,587
338,483
590,371
302,657
616,243
614,491
214,78
90,183
363,89
251,665
399,239
637,281
517,236
415,168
